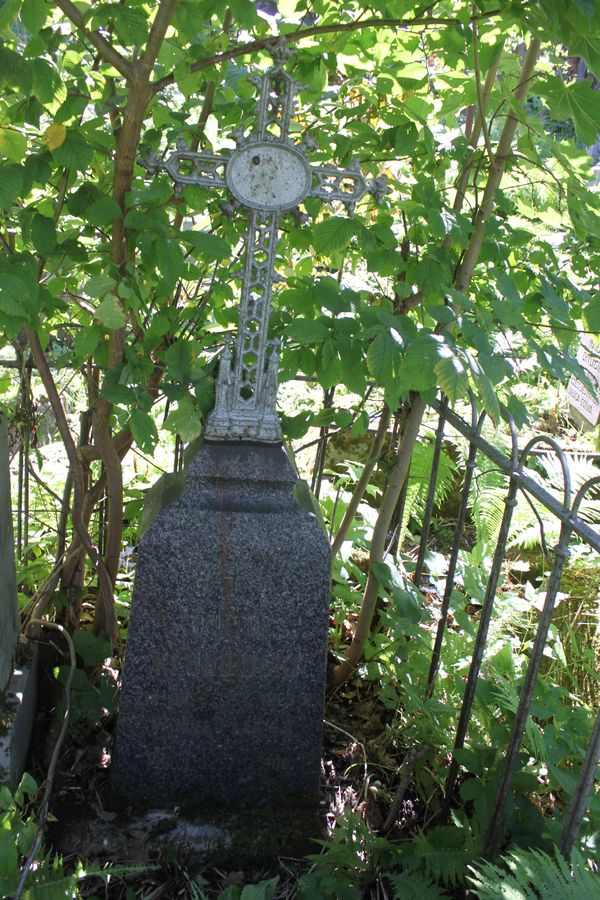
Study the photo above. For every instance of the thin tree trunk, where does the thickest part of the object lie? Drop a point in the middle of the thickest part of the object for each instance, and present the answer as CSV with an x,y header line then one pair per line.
x,y
363,481
399,473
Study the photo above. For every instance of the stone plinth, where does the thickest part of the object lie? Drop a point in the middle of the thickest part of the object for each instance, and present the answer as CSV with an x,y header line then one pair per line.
x,y
224,677
18,677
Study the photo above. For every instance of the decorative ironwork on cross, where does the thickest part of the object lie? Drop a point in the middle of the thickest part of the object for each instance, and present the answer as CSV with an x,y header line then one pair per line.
x,y
268,175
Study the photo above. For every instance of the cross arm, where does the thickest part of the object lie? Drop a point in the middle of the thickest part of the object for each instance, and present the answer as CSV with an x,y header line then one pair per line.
x,y
187,166
346,185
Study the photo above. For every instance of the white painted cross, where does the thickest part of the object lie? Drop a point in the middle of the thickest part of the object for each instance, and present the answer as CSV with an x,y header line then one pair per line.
x,y
267,174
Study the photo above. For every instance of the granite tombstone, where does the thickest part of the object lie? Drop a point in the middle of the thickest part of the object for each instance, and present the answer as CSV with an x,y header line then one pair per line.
x,y
224,675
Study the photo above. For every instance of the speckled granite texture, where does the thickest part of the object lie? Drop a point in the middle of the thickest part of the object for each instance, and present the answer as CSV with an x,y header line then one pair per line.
x,y
224,677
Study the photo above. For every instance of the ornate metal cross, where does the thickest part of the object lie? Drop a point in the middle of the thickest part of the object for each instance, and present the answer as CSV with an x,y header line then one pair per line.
x,y
267,174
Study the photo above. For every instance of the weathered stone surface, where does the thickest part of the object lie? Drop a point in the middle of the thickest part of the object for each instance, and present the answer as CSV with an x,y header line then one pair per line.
x,y
18,678
584,405
9,617
17,711
224,676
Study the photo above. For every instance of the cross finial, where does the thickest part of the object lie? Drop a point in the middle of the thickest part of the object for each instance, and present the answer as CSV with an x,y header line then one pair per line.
x,y
269,175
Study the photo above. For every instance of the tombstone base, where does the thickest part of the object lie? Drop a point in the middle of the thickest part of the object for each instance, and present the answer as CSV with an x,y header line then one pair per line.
x,y
224,679
579,420
216,838
17,709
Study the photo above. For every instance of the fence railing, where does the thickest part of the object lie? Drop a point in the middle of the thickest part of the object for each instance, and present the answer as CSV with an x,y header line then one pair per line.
x,y
568,514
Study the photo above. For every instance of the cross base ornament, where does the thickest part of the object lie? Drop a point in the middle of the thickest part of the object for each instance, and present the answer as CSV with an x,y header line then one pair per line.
x,y
267,175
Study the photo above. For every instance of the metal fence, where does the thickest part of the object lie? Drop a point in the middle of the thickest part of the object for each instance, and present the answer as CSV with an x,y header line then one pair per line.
x,y
567,513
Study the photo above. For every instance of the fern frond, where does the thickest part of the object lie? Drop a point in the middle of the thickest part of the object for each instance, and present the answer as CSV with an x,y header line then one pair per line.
x,y
533,875
418,482
442,854
490,491
409,885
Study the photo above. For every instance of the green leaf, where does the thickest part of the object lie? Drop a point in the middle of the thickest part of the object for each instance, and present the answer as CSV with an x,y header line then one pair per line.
x,y
13,144
28,786
591,314
99,285
417,369
75,152
352,365
9,858
43,234
584,209
486,391
34,14
332,234
382,355
110,314
179,358
452,377
118,393
578,102
211,246
102,212
131,24
185,420
586,45
11,184
144,430
308,331
8,13
86,341
93,649
263,891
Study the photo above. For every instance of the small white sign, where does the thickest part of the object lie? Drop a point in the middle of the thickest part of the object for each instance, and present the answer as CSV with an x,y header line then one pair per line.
x,y
578,395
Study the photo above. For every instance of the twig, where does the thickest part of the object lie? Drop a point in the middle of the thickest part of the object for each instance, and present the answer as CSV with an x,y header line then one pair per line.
x,y
407,769
43,813
104,47
316,30
43,484
480,100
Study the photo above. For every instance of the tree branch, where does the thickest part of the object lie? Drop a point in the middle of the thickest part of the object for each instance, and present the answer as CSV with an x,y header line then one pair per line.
x,y
157,34
315,31
480,103
104,47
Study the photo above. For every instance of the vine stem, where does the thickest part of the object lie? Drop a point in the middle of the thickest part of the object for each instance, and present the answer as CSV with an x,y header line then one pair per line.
x,y
363,481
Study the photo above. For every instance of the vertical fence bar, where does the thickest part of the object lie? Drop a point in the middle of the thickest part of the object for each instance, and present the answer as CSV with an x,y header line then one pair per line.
x,y
484,623
561,554
582,793
435,464
458,536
